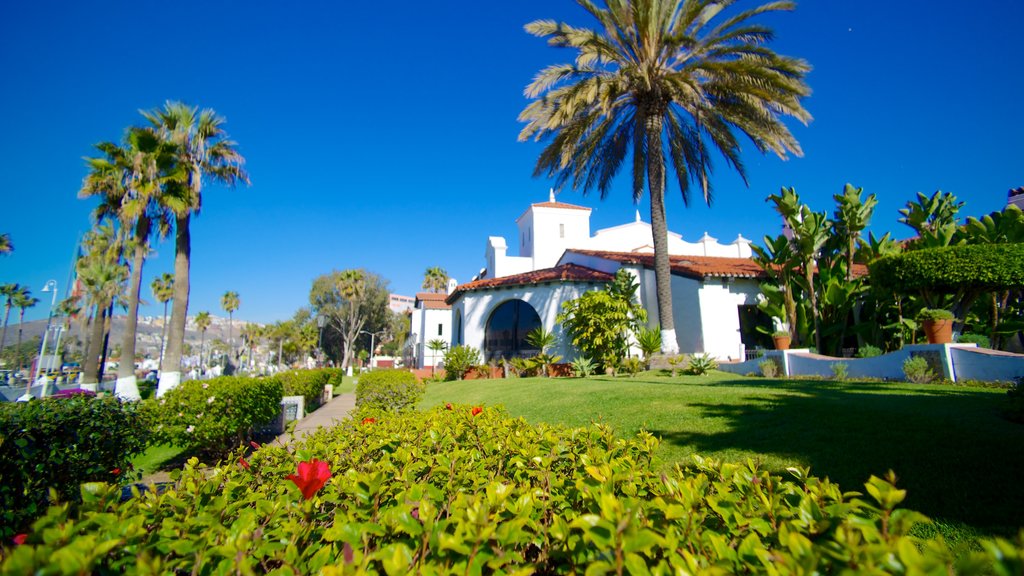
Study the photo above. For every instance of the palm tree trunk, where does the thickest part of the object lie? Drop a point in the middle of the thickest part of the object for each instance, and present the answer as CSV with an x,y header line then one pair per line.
x,y
91,366
659,228
202,345
170,377
21,322
127,388
108,321
809,272
163,340
7,314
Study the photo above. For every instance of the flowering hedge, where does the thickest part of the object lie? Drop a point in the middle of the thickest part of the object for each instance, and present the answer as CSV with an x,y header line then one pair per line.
x,y
306,383
59,443
217,415
456,491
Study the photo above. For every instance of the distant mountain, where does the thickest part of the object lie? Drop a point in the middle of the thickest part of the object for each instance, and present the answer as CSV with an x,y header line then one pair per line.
x,y
148,342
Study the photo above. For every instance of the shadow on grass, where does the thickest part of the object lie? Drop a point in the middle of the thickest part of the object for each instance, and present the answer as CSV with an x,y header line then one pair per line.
x,y
957,458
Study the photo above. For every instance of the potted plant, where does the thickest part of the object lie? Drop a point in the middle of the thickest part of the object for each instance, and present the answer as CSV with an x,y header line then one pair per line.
x,y
938,325
782,340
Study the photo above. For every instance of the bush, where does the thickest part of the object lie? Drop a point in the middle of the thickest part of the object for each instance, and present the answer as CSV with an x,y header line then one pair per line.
x,y
1014,409
458,360
840,370
934,314
916,370
583,367
769,368
701,364
215,416
306,383
869,351
675,361
389,391
455,492
980,339
59,443
632,365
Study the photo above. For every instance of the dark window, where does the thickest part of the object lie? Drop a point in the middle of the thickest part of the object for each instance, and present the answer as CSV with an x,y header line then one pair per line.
x,y
440,329
505,336
457,334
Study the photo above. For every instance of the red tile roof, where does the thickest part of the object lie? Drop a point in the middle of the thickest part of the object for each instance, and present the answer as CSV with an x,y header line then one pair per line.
x,y
561,205
697,267
432,300
563,273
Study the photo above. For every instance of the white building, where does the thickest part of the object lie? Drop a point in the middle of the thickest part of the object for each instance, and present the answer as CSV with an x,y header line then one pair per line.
x,y
431,320
714,285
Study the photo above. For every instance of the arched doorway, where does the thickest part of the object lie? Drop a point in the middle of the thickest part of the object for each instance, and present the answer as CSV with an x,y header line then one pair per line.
x,y
505,335
457,333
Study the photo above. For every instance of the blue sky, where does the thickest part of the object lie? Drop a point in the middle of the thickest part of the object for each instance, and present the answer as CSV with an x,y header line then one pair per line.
x,y
386,138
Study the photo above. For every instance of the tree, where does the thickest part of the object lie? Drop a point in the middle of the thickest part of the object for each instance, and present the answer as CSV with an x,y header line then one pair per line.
x,y
351,301
435,279
230,302
103,280
851,217
163,291
933,218
252,334
599,322
6,247
436,346
8,291
203,321
202,150
543,340
128,180
657,78
23,300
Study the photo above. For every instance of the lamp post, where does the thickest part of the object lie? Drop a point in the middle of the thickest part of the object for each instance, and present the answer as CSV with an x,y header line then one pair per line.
x,y
372,335
51,286
321,321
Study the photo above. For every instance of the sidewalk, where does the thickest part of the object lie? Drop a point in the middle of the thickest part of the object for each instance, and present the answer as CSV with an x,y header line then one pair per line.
x,y
327,415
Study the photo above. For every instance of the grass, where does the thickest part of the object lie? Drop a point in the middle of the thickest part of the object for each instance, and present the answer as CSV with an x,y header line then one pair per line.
x,y
960,462
159,457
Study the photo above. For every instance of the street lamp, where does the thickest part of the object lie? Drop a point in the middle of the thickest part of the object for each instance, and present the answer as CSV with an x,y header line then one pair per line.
x,y
51,286
371,335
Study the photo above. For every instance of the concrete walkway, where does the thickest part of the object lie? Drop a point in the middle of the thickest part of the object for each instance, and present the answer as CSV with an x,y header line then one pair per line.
x,y
327,415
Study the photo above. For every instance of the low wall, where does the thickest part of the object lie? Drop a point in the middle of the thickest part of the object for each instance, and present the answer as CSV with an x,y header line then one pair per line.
x,y
950,361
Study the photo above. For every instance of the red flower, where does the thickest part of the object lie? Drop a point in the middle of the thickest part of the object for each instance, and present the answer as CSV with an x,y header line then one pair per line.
x,y
254,445
369,421
115,471
242,462
448,406
311,477
20,539
476,410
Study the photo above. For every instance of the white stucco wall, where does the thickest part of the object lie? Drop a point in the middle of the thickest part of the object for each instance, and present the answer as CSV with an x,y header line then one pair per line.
x,y
545,233
477,306
424,324
719,311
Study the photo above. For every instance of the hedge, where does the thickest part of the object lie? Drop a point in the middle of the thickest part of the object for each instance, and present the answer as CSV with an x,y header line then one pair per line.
x,y
59,443
388,390
214,416
974,267
306,383
461,491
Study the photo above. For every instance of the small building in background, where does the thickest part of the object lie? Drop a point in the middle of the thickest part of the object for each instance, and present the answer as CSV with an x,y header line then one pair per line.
x,y
431,320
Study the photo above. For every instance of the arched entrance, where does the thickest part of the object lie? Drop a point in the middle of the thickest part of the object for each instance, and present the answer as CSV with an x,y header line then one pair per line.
x,y
505,335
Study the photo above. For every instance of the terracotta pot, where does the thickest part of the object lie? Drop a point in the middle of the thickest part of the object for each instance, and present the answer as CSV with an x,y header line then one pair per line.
x,y
782,342
938,331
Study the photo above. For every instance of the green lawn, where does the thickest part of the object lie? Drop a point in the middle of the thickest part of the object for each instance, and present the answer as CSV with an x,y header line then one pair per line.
x,y
961,463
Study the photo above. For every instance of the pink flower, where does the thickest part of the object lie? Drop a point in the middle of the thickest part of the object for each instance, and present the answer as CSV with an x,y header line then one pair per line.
x,y
448,406
254,445
311,477
115,471
369,421
476,410
243,463
20,539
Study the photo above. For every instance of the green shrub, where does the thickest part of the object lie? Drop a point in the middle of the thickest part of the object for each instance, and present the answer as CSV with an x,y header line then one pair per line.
x,y
59,443
217,415
306,383
389,391
769,368
675,361
916,370
701,364
632,365
980,339
1014,408
583,367
934,314
840,370
458,360
450,492
649,341
868,351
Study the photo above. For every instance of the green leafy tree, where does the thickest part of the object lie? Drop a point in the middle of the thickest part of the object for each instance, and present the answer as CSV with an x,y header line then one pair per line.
x,y
102,278
933,218
435,279
851,217
661,78
351,301
203,151
599,322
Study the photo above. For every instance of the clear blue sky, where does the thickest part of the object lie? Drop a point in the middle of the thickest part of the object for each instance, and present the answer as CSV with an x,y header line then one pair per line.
x,y
384,136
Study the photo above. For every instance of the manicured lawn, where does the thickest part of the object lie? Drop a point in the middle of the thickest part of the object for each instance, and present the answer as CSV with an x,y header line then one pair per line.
x,y
961,463
159,457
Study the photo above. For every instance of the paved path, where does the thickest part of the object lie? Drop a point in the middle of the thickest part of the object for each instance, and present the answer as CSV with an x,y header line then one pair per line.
x,y
327,415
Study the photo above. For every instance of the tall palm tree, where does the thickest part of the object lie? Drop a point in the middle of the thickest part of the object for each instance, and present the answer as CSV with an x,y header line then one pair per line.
x,y
8,291
252,334
103,280
230,302
658,78
23,300
128,181
6,247
202,323
435,279
203,151
163,291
